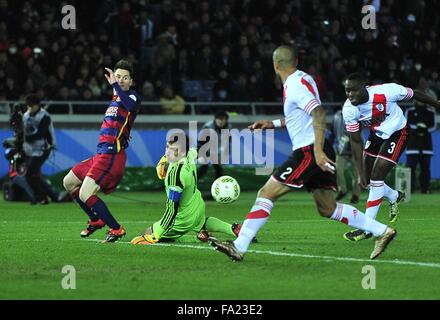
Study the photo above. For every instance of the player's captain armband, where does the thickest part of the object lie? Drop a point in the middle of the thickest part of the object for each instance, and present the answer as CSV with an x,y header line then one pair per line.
x,y
277,123
174,194
161,168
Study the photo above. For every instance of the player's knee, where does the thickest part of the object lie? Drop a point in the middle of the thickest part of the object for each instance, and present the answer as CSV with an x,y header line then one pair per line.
x,y
326,210
84,194
68,183
266,193
376,176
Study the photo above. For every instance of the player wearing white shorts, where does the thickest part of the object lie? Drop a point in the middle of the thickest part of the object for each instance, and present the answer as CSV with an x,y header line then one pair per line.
x,y
376,107
311,163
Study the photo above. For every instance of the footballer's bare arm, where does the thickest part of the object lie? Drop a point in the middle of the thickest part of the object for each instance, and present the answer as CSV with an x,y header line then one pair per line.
x,y
357,150
424,98
268,124
319,128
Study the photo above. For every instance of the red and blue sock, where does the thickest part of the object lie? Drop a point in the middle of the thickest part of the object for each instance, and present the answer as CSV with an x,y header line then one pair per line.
x,y
92,216
98,206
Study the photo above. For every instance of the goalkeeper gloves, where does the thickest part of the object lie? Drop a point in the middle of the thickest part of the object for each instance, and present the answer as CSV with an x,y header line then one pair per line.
x,y
161,168
145,239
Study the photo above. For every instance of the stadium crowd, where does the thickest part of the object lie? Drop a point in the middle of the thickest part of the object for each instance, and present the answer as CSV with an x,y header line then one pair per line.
x,y
231,42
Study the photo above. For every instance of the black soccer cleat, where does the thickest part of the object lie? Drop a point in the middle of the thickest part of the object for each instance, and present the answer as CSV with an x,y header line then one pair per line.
x,y
357,235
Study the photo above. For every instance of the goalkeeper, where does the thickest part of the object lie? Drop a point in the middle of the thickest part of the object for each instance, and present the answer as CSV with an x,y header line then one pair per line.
x,y
185,208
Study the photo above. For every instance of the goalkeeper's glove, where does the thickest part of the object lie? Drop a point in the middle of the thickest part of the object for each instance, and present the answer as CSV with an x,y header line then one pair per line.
x,y
145,239
161,168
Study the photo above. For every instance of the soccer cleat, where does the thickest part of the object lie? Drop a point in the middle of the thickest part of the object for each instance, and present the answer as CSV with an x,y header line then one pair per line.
x,y
357,235
394,207
92,226
114,235
236,227
227,247
382,242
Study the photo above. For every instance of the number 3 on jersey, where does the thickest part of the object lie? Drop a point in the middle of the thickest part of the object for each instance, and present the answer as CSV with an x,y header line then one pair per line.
x,y
287,172
392,146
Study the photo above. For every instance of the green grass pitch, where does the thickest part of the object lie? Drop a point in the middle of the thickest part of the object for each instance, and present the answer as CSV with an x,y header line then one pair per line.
x,y
299,255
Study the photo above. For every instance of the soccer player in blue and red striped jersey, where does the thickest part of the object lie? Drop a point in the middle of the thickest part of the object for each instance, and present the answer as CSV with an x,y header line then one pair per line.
x,y
104,171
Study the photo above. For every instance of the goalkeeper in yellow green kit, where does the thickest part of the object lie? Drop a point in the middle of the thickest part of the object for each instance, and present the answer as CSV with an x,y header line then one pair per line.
x,y
185,208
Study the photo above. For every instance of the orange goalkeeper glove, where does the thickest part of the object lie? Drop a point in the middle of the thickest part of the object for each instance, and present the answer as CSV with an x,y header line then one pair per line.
x,y
161,168
145,239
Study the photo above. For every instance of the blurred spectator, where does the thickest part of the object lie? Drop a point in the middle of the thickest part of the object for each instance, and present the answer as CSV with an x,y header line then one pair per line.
x,y
170,102
419,151
223,61
174,41
148,95
146,29
202,65
4,107
219,122
335,78
239,91
222,86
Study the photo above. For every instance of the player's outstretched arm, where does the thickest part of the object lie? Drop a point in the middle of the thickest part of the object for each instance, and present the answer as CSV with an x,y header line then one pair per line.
x,y
129,102
424,98
268,124
319,127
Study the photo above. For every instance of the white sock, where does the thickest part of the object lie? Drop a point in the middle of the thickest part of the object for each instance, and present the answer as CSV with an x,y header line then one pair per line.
x,y
354,218
255,219
390,194
375,197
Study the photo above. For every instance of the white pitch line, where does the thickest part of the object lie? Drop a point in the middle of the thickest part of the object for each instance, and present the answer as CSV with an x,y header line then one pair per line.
x,y
150,221
273,253
287,254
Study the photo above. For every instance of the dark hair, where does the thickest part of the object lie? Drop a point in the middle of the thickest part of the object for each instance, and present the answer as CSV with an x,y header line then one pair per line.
x,y
125,65
32,99
221,114
357,77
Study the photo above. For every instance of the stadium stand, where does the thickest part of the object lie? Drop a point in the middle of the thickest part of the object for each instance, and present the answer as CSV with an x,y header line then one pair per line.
x,y
187,43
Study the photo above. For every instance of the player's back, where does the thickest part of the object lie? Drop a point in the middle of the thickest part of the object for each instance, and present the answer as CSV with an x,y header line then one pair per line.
x,y
301,96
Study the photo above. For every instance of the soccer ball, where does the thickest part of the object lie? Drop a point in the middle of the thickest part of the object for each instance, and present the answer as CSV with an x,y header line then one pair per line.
x,y
225,189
